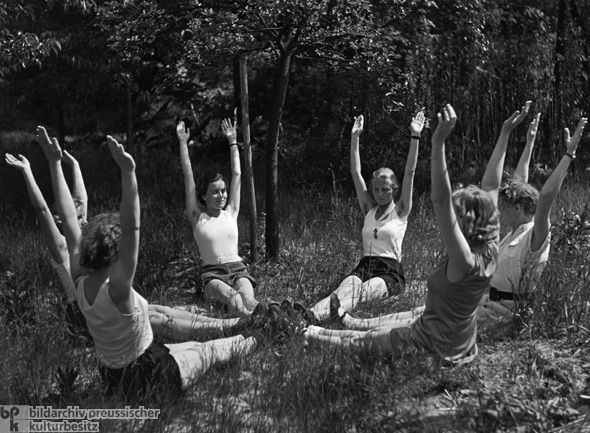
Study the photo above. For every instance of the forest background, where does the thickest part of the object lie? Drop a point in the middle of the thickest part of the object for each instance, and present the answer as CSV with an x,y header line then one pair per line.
x,y
133,68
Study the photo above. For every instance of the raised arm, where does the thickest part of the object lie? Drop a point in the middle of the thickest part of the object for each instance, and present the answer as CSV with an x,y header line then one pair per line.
x,y
192,208
53,238
78,188
404,205
366,202
123,271
553,185
233,203
522,169
492,177
63,199
460,258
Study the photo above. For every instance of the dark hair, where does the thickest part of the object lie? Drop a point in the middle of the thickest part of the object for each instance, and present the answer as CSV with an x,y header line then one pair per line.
x,y
519,192
205,182
99,246
477,213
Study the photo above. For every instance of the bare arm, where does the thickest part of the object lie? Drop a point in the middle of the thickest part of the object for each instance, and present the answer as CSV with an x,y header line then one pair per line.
x,y
365,200
460,258
522,169
493,174
78,188
63,199
53,238
233,204
405,203
123,271
192,209
553,185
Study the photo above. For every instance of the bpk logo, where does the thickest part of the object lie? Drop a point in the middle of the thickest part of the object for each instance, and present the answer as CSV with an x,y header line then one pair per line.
x,y
14,419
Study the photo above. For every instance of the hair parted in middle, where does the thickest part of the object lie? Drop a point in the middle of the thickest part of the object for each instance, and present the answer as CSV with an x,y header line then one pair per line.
x,y
478,214
207,180
387,173
99,246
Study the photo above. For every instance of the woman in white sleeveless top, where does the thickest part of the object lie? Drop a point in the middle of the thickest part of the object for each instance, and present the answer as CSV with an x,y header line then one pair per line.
x,y
379,273
212,213
103,260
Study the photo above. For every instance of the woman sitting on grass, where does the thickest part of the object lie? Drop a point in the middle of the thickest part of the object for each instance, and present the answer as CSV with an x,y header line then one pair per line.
x,y
103,259
214,222
468,222
379,273
178,324
525,250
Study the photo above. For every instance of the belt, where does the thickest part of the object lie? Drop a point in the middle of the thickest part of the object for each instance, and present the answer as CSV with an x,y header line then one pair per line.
x,y
498,295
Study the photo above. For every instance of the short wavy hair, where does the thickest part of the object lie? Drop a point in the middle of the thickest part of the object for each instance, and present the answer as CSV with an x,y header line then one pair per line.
x,y
99,246
205,182
518,192
477,213
387,173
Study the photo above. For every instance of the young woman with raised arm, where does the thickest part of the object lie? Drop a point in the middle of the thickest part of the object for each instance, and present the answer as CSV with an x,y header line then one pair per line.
x,y
212,212
468,223
103,260
379,273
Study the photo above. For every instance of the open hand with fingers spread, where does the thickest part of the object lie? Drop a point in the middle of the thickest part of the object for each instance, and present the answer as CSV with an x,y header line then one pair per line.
x,y
446,123
50,146
122,158
182,132
572,142
357,127
517,117
21,163
229,130
417,123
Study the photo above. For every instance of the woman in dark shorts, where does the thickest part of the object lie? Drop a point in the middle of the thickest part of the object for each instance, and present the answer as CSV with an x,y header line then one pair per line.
x,y
379,273
103,259
212,213
468,223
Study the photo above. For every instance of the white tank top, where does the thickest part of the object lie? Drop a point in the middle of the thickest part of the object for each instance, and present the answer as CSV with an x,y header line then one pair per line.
x,y
384,238
217,238
119,338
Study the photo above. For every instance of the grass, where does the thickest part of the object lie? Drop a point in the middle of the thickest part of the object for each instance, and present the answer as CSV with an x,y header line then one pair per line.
x,y
535,380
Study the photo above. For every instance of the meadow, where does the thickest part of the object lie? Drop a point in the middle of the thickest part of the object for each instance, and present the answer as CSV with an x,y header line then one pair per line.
x,y
533,377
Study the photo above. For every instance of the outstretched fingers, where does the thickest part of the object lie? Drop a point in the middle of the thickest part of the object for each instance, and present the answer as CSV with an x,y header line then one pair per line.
x,y
50,147
182,132
122,158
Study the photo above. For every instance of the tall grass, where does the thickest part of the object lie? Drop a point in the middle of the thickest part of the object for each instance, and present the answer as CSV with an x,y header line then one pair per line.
x,y
291,387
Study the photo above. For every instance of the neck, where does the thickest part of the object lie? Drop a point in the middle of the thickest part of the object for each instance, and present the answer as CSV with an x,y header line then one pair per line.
x,y
213,212
385,207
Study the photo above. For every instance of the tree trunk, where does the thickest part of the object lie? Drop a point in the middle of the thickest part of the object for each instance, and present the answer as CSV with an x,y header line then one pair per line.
x,y
129,110
250,190
272,146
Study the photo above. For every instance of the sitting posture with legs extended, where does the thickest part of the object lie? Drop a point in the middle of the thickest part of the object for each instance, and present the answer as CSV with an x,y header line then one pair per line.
x,y
103,260
379,273
468,223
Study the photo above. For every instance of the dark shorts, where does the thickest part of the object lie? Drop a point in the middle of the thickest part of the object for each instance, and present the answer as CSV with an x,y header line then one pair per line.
x,y
229,273
390,270
152,374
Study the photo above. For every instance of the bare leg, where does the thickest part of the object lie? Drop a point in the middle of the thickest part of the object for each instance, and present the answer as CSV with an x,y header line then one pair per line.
x,y
377,340
194,358
395,320
350,292
494,315
246,291
218,290
184,324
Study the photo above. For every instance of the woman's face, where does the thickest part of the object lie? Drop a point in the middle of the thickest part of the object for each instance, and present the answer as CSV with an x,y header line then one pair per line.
x,y
382,191
216,196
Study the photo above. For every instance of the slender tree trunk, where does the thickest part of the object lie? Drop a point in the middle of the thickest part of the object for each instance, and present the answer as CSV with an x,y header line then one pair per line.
x,y
272,145
61,122
250,190
129,110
